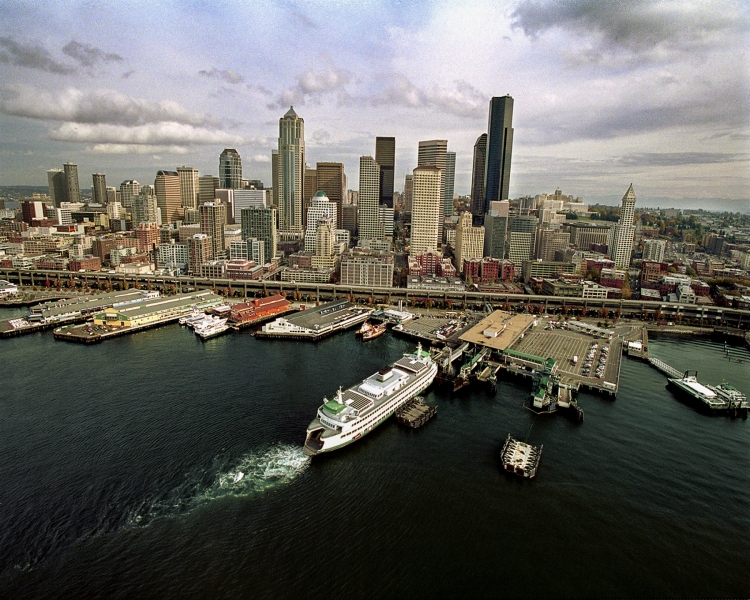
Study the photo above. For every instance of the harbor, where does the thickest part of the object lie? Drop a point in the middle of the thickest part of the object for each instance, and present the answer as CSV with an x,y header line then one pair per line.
x,y
317,322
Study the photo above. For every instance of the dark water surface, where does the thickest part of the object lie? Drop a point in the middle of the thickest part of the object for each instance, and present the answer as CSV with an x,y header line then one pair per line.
x,y
121,463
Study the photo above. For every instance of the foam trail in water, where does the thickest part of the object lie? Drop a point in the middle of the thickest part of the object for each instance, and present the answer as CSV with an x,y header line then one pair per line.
x,y
253,473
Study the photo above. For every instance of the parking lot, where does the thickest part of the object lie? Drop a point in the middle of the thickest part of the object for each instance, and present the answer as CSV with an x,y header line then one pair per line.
x,y
564,345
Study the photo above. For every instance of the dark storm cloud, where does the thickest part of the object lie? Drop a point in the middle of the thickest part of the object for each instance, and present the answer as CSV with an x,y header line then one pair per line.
x,y
87,55
634,25
31,56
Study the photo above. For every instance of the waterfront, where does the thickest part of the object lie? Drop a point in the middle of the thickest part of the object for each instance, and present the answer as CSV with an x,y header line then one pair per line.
x,y
120,464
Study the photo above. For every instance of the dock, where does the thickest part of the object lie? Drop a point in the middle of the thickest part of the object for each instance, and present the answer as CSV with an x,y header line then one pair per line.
x,y
415,413
664,368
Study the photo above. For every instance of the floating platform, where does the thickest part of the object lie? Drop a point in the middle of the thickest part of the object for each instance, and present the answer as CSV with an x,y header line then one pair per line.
x,y
520,458
415,413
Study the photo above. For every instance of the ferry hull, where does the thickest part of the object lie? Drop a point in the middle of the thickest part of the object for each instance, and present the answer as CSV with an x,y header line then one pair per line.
x,y
691,400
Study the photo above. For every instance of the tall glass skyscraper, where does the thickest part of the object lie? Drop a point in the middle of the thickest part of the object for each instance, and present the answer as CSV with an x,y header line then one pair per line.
x,y
499,149
385,156
477,179
291,171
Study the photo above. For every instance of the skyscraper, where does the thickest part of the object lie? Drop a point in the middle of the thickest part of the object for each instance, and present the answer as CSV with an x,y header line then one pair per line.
x,y
321,209
167,184
128,189
330,179
207,186
99,188
213,219
291,171
72,189
427,208
434,153
408,192
477,178
469,240
522,238
385,156
499,149
199,251
188,187
625,231
144,207
275,178
57,188
450,176
370,227
230,169
260,223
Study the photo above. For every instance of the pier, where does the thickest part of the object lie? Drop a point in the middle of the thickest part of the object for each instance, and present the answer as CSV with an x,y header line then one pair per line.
x,y
415,413
664,368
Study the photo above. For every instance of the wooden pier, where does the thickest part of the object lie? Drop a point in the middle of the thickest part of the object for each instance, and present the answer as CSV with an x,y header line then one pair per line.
x,y
415,413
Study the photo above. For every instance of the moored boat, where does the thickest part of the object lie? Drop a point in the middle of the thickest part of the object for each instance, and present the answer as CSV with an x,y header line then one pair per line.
x,y
375,331
355,412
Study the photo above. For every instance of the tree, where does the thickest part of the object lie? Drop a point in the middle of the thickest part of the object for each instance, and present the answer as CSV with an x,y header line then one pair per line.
x,y
626,291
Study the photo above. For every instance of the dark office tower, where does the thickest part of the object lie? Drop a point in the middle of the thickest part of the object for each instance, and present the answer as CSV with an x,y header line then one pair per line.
x,y
72,190
331,180
57,188
477,179
499,148
230,169
99,189
385,156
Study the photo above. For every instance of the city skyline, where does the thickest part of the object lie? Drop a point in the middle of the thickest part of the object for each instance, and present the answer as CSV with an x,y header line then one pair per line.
x,y
654,93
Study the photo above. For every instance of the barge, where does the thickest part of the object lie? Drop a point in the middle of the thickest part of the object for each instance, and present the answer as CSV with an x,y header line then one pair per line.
x,y
520,458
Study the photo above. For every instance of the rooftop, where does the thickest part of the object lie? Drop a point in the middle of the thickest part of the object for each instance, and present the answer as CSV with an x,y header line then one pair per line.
x,y
498,330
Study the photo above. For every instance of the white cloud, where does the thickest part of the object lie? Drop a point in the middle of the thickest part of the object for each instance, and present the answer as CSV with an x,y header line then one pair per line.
x,y
462,100
313,84
134,149
261,158
157,133
93,106
226,75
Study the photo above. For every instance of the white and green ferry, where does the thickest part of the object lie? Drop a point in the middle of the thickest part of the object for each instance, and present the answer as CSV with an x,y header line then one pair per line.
x,y
355,412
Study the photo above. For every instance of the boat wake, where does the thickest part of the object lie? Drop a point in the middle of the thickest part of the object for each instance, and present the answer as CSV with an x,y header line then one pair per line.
x,y
254,473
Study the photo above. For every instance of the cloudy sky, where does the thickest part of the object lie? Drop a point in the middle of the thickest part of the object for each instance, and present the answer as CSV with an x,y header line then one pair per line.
x,y
606,93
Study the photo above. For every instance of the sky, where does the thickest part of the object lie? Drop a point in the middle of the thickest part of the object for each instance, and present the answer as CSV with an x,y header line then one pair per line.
x,y
606,93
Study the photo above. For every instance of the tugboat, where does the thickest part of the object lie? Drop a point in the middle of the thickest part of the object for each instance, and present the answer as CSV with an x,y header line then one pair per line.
x,y
366,327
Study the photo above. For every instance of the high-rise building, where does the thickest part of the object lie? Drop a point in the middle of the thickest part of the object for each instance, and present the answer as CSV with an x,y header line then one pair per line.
x,y
408,191
275,178
311,183
72,189
291,171
207,186
167,184
427,209
147,237
321,209
350,214
213,219
469,240
128,190
625,231
324,238
435,153
450,177
477,178
368,203
144,207
385,156
331,180
99,188
199,251
496,234
188,187
654,250
57,187
249,249
260,223
522,238
113,195
550,241
499,150
230,169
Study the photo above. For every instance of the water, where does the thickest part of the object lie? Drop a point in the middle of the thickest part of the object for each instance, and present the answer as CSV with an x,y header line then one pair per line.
x,y
157,465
